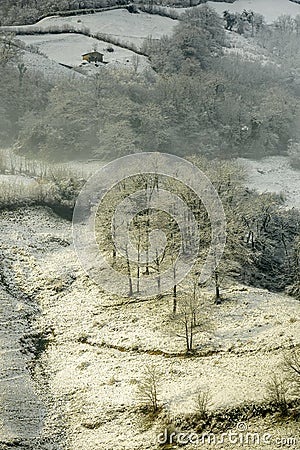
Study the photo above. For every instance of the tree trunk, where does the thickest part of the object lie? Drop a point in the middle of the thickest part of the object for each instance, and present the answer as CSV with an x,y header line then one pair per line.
x,y
217,286
129,274
191,336
194,319
187,336
174,299
138,264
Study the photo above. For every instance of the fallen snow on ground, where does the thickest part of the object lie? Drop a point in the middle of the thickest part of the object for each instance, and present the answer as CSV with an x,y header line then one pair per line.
x,y
50,69
274,174
270,9
68,49
92,385
118,23
21,411
18,168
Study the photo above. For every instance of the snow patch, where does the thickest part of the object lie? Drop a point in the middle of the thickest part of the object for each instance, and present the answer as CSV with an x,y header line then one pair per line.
x,y
270,9
68,49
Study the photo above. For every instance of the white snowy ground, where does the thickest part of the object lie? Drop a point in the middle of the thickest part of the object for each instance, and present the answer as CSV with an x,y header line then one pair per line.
x,y
270,9
98,350
274,174
133,29
118,23
68,49
50,68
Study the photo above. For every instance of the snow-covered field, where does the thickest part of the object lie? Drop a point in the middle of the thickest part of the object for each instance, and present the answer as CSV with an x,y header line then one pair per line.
x,y
19,167
274,174
119,23
68,49
270,9
129,29
50,68
97,350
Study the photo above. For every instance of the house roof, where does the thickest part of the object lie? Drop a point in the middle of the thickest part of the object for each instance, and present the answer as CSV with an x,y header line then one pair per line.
x,y
93,54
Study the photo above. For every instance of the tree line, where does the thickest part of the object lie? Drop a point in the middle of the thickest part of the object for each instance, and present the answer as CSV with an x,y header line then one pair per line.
x,y
20,12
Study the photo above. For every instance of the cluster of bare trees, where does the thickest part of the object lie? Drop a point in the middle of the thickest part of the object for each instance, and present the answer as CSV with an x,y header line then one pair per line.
x,y
261,242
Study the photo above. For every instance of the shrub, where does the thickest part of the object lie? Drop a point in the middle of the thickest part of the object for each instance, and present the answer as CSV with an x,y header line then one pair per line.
x,y
202,402
148,388
277,390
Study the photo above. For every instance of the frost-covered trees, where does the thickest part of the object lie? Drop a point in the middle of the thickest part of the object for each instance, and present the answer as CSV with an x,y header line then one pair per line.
x,y
247,22
80,120
261,236
20,92
197,38
191,316
29,11
8,49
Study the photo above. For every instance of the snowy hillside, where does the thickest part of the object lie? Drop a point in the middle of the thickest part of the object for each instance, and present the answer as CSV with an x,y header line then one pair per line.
x,y
49,67
68,49
97,350
131,29
274,174
73,355
120,24
270,9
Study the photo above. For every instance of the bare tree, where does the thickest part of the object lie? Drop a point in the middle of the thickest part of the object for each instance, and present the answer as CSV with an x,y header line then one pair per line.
x,y
186,317
148,387
129,272
135,60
